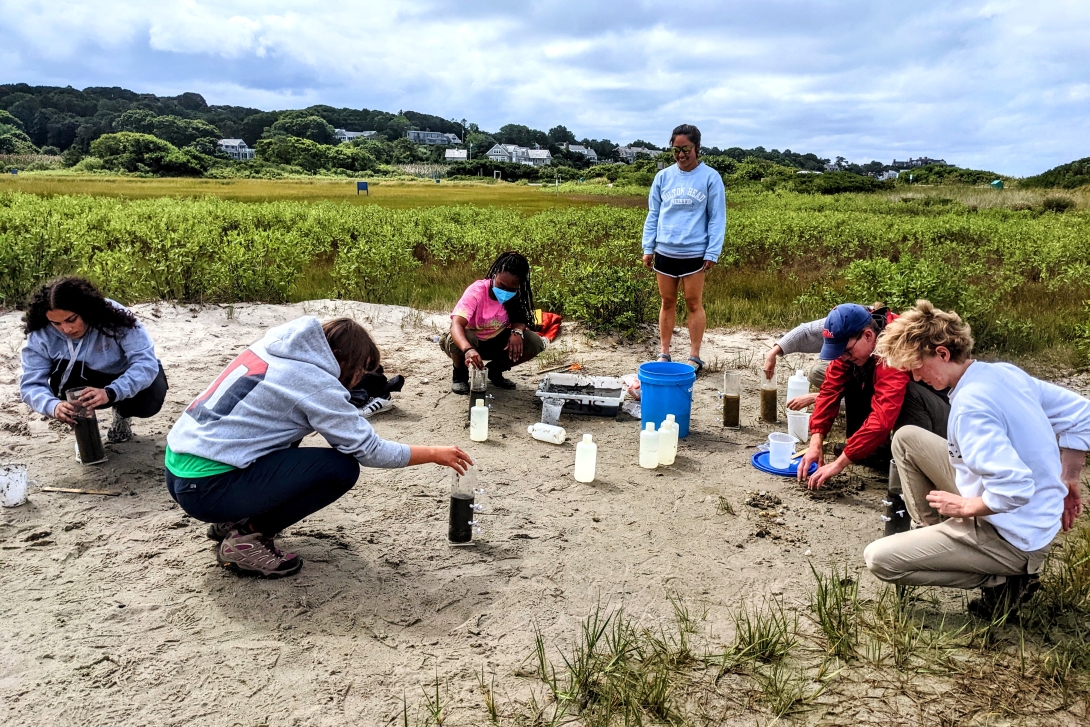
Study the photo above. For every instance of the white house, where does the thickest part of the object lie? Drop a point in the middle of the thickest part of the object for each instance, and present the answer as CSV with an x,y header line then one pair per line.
x,y
888,175
586,151
512,154
455,155
630,153
431,137
540,157
344,135
237,149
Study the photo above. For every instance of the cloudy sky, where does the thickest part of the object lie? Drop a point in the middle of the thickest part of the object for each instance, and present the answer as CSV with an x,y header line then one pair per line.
x,y
1002,85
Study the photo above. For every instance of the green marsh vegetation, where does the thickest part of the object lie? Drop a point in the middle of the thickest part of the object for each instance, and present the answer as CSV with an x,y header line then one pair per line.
x,y
1015,263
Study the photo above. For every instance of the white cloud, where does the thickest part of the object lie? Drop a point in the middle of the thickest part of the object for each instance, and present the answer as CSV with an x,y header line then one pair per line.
x,y
999,85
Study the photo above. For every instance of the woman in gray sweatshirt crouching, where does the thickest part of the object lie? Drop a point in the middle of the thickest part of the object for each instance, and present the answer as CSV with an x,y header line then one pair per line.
x,y
232,458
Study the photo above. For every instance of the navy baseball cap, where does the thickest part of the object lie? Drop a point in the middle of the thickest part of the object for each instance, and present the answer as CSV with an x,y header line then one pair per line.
x,y
842,323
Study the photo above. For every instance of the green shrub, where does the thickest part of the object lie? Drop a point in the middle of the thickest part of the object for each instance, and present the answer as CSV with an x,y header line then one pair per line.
x,y
1066,176
837,183
1057,204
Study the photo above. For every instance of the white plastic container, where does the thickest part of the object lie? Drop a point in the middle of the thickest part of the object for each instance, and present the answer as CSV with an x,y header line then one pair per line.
x,y
586,457
780,448
798,385
798,425
12,485
649,447
547,433
668,435
478,422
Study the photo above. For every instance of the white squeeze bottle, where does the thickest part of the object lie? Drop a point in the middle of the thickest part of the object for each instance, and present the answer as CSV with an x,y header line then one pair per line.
x,y
478,422
586,455
797,385
668,440
547,433
649,447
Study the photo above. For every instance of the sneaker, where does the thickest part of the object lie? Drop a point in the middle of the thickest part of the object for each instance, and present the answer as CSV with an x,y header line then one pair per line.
x,y
120,430
375,406
460,387
219,531
253,554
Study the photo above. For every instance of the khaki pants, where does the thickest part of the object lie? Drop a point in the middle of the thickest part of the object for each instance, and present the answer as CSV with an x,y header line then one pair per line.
x,y
959,552
816,374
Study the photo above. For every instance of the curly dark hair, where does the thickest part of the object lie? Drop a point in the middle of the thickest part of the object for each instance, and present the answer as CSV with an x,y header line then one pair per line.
x,y
79,296
520,309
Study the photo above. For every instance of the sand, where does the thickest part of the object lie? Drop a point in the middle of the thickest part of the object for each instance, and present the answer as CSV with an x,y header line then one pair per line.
x,y
114,610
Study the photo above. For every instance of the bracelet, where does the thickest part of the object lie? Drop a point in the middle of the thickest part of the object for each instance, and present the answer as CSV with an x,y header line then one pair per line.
x,y
518,332
467,350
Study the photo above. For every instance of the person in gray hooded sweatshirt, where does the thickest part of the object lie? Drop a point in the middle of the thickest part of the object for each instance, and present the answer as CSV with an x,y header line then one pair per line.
x,y
76,338
233,459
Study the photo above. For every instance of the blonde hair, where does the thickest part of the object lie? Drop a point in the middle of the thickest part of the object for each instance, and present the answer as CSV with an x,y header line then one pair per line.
x,y
919,331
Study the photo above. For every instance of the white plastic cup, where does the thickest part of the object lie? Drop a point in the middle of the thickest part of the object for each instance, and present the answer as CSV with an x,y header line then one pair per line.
x,y
798,425
780,448
13,480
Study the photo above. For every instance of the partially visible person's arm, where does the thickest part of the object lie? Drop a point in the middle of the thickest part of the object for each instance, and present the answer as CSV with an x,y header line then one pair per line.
x,y
885,407
452,457
1072,462
34,382
717,219
821,421
987,451
651,224
138,348
803,338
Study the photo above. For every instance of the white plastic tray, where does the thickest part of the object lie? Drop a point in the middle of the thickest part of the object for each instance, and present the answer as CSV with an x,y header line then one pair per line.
x,y
586,402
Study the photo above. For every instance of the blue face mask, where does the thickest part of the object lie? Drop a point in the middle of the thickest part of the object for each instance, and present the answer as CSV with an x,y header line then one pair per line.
x,y
502,295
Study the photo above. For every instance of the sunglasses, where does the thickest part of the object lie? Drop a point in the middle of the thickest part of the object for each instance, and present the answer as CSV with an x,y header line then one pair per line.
x,y
676,150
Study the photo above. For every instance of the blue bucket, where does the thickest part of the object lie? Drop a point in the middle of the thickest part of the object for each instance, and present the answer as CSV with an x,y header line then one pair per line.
x,y
666,388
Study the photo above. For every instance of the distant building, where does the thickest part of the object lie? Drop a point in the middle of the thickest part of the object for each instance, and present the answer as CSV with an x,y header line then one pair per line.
x,y
833,167
916,163
540,157
888,175
631,153
511,154
455,155
431,137
344,135
237,149
586,151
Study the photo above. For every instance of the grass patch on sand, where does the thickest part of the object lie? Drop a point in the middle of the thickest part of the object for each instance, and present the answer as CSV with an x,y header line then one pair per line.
x,y
847,655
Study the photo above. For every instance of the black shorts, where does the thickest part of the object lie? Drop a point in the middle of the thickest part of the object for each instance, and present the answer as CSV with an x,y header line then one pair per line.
x,y
677,267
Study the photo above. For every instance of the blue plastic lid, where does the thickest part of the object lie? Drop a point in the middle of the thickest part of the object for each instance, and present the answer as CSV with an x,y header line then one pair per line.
x,y
760,461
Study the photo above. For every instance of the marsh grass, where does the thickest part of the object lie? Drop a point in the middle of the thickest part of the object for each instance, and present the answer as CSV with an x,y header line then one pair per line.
x,y
899,656
396,194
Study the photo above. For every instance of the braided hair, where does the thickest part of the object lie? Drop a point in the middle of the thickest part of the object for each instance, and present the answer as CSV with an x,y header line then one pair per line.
x,y
78,296
520,309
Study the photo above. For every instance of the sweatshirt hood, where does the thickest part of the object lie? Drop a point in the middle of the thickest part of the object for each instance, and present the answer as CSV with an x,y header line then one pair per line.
x,y
302,340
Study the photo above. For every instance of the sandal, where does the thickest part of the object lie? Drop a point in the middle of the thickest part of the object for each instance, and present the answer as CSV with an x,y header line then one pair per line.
x,y
664,357
696,363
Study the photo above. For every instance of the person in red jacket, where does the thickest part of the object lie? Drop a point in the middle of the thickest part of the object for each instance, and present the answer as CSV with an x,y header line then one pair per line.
x,y
877,399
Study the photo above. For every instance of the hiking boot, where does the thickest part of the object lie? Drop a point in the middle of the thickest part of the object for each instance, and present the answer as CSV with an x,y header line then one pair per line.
x,y
219,531
120,430
1005,598
253,554
375,406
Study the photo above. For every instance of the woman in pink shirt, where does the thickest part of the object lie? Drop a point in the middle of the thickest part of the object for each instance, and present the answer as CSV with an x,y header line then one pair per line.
x,y
491,322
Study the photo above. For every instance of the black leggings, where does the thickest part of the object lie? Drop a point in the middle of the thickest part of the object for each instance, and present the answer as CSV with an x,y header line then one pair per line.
x,y
276,491
146,403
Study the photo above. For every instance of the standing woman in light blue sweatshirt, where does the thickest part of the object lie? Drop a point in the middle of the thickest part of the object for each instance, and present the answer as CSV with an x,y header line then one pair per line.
x,y
683,236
